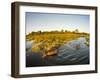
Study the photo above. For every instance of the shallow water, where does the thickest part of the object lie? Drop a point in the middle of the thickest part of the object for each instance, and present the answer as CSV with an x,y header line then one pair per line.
x,y
67,54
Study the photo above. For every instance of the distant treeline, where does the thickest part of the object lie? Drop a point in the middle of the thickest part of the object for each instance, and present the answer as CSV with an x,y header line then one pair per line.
x,y
56,31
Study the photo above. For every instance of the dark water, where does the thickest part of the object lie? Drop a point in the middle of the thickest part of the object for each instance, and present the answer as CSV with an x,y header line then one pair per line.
x,y
67,54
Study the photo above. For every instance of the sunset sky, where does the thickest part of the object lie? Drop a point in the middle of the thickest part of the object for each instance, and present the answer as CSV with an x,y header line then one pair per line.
x,y
51,21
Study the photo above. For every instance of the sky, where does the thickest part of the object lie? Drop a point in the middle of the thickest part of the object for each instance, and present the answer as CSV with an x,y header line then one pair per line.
x,y
56,21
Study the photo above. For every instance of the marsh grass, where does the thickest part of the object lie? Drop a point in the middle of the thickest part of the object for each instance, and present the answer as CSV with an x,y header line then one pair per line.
x,y
49,41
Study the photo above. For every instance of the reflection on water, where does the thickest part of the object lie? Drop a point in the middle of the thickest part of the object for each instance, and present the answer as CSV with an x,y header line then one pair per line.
x,y
74,52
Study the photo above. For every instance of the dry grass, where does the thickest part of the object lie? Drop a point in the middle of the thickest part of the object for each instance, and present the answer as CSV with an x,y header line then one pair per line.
x,y
48,40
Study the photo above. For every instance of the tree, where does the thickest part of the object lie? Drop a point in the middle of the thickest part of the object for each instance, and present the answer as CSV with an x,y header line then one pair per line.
x,y
66,31
62,30
39,32
76,30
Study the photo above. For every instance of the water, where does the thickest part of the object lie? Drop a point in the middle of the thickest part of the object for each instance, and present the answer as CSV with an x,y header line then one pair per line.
x,y
70,53
67,54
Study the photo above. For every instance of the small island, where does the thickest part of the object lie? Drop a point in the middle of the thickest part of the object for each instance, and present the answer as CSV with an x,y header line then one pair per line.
x,y
48,42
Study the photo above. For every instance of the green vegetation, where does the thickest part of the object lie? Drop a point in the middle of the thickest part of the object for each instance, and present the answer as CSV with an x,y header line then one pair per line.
x,y
45,41
87,40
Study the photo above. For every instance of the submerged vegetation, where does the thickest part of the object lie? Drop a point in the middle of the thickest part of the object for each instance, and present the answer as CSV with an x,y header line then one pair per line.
x,y
48,42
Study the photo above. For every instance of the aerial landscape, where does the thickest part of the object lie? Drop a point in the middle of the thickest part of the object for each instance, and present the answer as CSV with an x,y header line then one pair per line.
x,y
56,39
